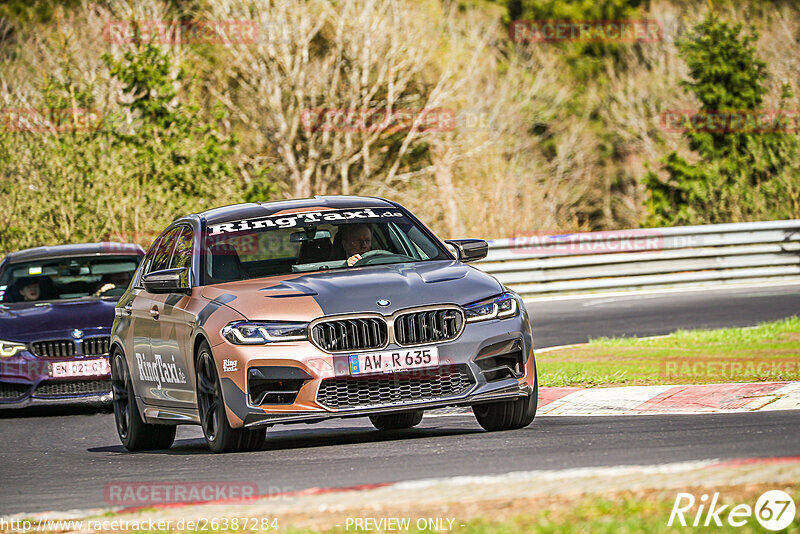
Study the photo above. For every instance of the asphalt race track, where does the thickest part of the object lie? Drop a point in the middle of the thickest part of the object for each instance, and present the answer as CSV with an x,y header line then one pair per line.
x,y
560,322
56,459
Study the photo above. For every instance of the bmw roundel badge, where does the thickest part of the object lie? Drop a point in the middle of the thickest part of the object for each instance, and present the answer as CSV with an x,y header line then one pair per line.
x,y
383,303
77,334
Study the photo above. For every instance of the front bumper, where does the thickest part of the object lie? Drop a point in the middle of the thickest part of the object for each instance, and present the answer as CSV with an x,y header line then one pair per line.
x,y
511,392
99,399
25,380
469,351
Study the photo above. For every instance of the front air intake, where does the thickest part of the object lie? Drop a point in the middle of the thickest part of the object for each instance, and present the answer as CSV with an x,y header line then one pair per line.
x,y
275,384
395,388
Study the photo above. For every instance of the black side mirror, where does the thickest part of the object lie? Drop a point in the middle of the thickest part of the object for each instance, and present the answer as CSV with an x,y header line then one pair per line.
x,y
167,281
470,249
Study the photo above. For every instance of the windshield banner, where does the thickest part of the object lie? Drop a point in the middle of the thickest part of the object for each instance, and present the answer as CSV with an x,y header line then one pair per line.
x,y
292,220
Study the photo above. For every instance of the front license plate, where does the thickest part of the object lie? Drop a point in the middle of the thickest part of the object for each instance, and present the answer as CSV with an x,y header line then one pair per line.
x,y
393,361
80,368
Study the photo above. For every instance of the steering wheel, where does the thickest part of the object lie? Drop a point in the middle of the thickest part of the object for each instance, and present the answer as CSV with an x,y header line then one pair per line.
x,y
365,257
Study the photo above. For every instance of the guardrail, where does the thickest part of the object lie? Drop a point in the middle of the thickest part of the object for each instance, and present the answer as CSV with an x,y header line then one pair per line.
x,y
538,264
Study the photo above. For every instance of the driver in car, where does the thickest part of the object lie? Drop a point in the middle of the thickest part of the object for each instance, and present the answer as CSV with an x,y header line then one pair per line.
x,y
30,290
112,281
356,240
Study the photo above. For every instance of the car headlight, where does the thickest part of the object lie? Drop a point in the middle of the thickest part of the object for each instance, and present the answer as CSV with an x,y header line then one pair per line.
x,y
10,348
500,307
258,333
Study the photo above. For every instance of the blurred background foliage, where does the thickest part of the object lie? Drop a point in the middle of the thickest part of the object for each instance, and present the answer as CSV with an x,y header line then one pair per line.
x,y
548,137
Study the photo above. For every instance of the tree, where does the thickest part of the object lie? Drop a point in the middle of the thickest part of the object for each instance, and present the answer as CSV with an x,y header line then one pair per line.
x,y
316,60
585,57
740,172
151,156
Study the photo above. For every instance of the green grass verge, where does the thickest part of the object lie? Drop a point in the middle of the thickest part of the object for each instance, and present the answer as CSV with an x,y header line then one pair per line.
x,y
767,352
618,514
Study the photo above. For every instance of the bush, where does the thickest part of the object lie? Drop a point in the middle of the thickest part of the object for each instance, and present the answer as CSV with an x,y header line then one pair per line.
x,y
739,175
585,58
154,157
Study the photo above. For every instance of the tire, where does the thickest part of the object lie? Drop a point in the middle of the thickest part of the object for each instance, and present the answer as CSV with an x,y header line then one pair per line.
x,y
134,433
219,434
508,415
396,421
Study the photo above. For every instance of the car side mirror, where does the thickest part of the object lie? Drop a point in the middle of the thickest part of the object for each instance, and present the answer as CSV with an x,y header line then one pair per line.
x,y
167,281
470,249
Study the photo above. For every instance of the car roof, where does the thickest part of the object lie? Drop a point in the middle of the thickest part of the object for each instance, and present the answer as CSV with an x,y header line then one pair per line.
x,y
81,249
261,209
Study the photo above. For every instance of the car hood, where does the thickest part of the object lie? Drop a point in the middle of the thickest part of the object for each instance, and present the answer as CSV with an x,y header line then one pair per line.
x,y
26,322
356,290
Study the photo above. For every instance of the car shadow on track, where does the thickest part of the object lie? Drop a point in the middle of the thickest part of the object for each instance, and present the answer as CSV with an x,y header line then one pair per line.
x,y
308,438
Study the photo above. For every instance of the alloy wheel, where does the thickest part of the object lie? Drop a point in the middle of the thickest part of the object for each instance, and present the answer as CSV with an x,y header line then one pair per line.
x,y
120,392
208,395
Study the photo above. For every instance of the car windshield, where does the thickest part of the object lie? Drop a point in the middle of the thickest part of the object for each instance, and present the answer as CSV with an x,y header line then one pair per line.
x,y
67,278
313,241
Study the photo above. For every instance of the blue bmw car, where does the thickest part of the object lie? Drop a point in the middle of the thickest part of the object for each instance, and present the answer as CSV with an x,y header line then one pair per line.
x,y
56,309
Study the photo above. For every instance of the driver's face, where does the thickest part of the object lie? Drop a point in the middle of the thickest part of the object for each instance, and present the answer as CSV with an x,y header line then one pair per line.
x,y
30,292
357,241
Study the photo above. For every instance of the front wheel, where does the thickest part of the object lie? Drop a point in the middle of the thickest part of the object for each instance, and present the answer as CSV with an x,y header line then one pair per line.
x,y
396,421
219,434
134,433
508,415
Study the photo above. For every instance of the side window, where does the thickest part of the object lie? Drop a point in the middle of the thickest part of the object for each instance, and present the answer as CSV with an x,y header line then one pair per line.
x,y
182,257
425,247
163,251
144,268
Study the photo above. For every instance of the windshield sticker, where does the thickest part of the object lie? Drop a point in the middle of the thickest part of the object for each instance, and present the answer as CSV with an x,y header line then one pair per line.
x,y
35,270
310,217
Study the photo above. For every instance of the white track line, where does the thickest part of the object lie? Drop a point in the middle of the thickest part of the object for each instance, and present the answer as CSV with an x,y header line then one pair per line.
x,y
557,474
603,401
667,290
788,398
621,400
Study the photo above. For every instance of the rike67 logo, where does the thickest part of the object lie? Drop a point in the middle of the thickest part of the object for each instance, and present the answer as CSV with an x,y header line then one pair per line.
x,y
774,510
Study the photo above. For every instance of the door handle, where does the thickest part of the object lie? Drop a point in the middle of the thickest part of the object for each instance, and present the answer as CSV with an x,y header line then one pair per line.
x,y
128,308
154,312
